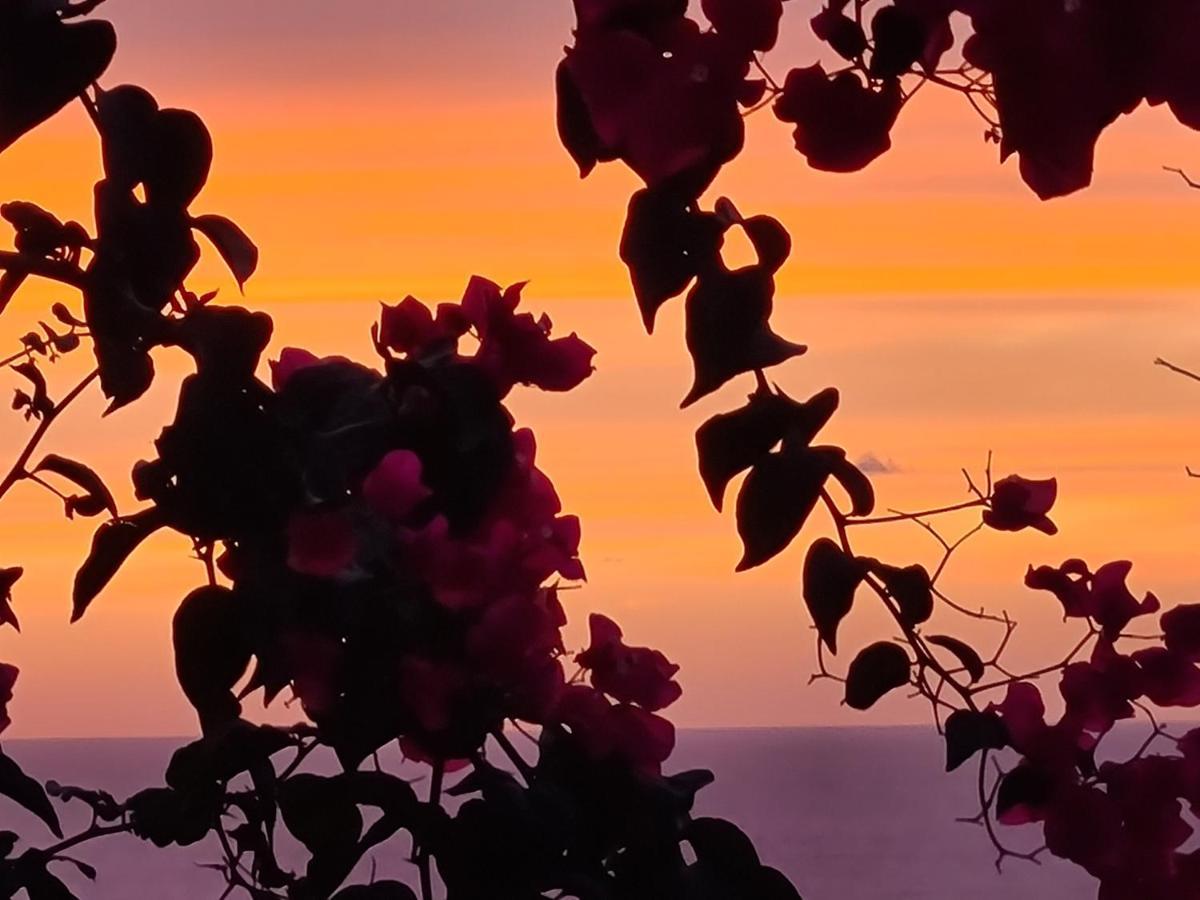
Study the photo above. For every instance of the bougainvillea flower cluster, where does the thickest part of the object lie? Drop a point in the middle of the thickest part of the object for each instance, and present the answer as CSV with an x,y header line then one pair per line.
x,y
647,84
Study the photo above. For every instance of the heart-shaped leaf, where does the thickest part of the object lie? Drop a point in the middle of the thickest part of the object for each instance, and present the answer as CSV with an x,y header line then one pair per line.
x,y
733,442
178,169
212,651
777,498
968,732
575,128
876,671
728,329
667,242
910,587
831,577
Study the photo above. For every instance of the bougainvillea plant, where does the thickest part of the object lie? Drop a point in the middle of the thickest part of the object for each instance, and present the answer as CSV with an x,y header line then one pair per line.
x,y
668,93
377,541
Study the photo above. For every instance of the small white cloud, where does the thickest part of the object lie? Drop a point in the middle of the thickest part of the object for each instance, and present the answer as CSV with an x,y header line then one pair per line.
x,y
873,465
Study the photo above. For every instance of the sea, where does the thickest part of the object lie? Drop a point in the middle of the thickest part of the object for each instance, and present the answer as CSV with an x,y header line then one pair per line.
x,y
846,813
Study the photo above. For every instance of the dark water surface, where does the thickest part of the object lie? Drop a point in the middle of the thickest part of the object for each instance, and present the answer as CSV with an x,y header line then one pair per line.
x,y
847,813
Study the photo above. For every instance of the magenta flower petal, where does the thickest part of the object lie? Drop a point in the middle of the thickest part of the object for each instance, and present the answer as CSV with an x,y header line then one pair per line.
x,y
291,360
394,487
321,543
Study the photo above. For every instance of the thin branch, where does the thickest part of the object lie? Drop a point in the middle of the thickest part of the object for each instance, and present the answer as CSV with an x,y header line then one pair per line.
x,y
1176,369
423,859
17,473
96,831
54,269
514,755
1195,185
924,514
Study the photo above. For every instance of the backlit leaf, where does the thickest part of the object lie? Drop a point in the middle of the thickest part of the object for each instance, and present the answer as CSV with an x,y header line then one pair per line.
x,y
830,579
22,789
963,651
234,245
112,544
877,670
968,732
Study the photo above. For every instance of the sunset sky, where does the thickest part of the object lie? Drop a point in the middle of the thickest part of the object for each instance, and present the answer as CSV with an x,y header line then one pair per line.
x,y
379,149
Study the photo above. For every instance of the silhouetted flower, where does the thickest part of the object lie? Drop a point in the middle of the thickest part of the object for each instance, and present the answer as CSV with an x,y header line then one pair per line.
x,y
841,124
1018,503
628,674
1101,596
291,360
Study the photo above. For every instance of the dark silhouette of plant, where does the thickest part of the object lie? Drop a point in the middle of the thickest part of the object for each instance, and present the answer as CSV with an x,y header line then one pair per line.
x,y
377,540
667,95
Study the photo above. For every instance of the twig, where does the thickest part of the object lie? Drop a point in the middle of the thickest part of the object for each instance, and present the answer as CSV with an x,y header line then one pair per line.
x,y
1195,185
17,473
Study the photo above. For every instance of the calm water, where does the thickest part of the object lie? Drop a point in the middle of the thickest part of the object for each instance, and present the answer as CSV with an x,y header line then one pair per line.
x,y
848,814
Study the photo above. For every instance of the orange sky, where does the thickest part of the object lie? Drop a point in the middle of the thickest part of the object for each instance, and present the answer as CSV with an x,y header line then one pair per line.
x,y
403,146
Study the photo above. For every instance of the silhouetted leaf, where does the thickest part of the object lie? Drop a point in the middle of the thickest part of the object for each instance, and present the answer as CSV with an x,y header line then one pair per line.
x,y
830,579
41,404
111,546
86,870
777,498
1022,793
10,282
227,342
899,41
83,477
212,652
910,587
64,315
880,668
319,811
118,323
126,115
45,64
667,242
733,442
728,328
8,578
228,750
234,245
165,816
968,732
393,796
857,486
685,785
42,885
178,167
963,651
575,128
771,884
841,32
23,790
721,843
770,240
